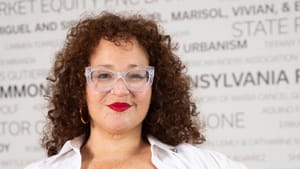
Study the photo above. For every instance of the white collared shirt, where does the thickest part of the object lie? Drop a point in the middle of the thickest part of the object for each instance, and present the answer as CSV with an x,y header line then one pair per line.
x,y
183,156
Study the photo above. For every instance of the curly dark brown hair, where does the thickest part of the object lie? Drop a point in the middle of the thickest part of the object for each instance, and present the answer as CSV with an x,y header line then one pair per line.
x,y
171,114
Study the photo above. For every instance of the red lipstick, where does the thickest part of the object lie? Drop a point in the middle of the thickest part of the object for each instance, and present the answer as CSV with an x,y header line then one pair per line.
x,y
119,106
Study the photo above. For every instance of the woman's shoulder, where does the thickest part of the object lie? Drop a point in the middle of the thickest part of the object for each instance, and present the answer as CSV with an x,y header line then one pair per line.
x,y
39,164
191,156
68,157
59,161
199,154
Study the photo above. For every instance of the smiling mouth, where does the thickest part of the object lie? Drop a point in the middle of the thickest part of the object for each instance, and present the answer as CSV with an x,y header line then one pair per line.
x,y
119,106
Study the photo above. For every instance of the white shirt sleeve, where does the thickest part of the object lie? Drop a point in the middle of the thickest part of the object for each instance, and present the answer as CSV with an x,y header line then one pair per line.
x,y
206,159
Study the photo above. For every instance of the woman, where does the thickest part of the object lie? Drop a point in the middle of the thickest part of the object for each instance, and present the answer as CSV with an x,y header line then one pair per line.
x,y
120,98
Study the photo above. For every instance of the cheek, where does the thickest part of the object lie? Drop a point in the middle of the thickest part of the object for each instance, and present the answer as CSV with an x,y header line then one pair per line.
x,y
93,98
89,95
144,99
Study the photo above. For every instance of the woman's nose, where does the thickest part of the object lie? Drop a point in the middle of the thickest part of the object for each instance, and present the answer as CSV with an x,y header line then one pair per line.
x,y
119,88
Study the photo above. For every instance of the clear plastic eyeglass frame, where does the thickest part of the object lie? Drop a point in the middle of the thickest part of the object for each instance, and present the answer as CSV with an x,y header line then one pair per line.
x,y
119,75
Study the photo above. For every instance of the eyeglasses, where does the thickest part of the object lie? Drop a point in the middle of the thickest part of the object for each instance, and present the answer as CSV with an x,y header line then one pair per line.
x,y
136,79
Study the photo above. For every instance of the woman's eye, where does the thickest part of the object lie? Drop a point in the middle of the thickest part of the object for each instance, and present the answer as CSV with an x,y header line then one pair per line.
x,y
136,77
104,76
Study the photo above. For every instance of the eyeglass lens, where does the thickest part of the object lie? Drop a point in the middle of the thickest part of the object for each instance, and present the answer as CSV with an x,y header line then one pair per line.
x,y
134,79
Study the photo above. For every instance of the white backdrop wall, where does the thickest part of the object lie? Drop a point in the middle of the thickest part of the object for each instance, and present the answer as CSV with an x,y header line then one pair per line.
x,y
243,56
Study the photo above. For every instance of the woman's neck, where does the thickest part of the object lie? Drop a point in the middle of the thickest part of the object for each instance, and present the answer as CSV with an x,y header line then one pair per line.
x,y
120,146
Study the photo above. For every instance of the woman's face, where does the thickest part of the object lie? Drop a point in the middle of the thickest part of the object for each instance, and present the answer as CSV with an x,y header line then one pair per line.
x,y
118,110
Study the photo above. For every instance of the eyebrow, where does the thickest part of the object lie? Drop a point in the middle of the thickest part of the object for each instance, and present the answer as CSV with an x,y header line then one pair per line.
x,y
111,66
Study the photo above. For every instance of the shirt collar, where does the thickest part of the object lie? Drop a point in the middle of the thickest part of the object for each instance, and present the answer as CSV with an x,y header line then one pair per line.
x,y
76,143
155,142
70,145
73,144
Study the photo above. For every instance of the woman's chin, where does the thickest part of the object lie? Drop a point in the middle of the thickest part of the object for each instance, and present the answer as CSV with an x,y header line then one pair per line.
x,y
119,127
